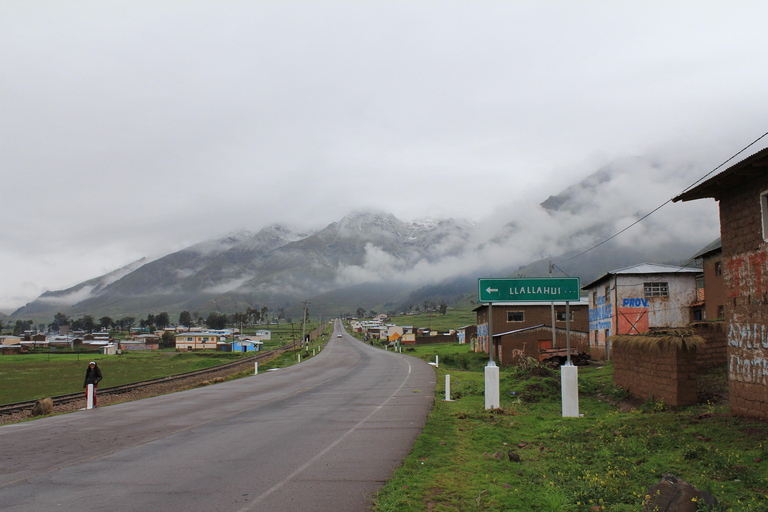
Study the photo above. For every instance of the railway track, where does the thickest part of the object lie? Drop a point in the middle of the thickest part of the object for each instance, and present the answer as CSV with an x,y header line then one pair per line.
x,y
60,400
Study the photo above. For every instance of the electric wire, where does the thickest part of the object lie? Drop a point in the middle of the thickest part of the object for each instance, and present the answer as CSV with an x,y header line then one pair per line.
x,y
666,202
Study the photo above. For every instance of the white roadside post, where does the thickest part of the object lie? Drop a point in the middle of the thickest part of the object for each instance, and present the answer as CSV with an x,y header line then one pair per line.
x,y
89,399
256,368
492,394
569,387
569,375
436,365
448,388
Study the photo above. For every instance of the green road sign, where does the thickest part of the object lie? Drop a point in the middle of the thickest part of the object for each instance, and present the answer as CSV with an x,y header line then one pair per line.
x,y
528,289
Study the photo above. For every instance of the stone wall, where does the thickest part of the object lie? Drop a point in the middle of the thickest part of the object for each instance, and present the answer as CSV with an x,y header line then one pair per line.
x,y
668,374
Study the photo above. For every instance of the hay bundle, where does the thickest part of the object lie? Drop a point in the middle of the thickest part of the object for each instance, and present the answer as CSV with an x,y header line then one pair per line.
x,y
658,341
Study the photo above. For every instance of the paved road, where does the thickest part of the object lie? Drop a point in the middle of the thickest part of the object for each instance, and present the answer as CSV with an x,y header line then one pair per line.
x,y
322,435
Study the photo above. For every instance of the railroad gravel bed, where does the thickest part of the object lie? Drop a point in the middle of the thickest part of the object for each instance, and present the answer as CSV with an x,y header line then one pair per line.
x,y
147,391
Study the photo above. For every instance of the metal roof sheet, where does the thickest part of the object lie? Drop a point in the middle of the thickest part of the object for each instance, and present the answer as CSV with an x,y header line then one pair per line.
x,y
735,175
645,268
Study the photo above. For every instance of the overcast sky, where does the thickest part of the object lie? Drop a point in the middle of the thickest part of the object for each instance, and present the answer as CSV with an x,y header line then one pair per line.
x,y
132,129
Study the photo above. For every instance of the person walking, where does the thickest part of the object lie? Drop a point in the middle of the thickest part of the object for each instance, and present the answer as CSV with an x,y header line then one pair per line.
x,y
92,376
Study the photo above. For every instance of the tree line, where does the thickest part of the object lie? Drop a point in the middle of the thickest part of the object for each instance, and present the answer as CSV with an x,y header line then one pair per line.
x,y
152,322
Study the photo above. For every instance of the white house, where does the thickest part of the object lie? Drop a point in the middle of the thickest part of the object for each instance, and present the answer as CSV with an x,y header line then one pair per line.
x,y
198,340
634,299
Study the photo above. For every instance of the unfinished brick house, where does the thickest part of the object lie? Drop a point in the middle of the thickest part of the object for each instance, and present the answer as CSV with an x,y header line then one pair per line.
x,y
527,326
712,305
742,194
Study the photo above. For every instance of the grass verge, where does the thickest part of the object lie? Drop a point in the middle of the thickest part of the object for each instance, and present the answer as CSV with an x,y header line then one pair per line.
x,y
526,457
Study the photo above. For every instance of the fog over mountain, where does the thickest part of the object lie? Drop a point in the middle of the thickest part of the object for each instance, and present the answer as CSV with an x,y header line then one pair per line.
x,y
372,259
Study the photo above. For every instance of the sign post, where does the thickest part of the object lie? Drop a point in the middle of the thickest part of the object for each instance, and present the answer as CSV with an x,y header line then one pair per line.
x,y
534,289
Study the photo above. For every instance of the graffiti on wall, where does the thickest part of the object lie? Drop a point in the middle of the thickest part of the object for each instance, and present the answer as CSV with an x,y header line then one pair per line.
x,y
749,348
634,303
600,316
746,274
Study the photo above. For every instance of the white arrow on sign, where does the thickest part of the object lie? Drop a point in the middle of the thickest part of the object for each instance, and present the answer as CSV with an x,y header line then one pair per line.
x,y
491,290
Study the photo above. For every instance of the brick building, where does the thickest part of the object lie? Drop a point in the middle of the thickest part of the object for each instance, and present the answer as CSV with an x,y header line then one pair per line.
x,y
742,194
713,286
527,326
634,299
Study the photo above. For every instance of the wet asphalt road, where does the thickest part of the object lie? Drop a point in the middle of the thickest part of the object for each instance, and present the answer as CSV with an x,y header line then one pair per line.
x,y
322,435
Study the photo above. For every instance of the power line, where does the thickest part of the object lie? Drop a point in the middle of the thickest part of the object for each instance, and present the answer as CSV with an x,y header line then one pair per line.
x,y
667,201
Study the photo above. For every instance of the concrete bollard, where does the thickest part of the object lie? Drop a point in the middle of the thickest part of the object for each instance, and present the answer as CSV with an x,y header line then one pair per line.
x,y
313,352
492,399
89,397
436,365
299,357
256,368
569,387
448,388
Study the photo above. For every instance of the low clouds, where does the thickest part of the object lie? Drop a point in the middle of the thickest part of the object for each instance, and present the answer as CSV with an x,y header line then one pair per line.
x,y
133,130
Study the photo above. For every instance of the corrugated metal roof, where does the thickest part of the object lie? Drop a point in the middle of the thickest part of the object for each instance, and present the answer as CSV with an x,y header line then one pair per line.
x,y
583,301
643,269
740,172
710,247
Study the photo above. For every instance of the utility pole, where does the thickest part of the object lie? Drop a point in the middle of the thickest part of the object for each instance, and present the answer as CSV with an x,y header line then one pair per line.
x,y
304,322
552,307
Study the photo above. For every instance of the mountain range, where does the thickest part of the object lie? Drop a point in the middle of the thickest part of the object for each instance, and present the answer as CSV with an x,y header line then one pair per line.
x,y
376,261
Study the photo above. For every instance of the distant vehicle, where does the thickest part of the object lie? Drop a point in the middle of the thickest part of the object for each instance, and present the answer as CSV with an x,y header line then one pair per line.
x,y
338,335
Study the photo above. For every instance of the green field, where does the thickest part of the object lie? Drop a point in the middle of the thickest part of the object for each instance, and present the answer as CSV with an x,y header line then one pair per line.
x,y
37,375
608,458
452,319
32,376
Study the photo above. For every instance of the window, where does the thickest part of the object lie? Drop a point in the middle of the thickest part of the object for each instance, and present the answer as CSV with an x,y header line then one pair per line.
x,y
515,316
560,316
718,268
656,289
607,294
720,312
764,213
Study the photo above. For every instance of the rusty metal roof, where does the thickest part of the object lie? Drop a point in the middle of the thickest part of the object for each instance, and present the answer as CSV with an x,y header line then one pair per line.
x,y
737,174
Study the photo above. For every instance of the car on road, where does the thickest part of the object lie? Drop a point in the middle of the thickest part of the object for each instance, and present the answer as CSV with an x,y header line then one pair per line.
x,y
338,335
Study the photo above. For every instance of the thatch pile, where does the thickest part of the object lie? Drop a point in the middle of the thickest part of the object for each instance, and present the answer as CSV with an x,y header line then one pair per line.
x,y
658,341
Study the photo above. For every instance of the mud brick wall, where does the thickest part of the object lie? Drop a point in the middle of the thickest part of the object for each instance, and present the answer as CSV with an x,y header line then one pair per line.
x,y
668,375
745,269
441,338
714,353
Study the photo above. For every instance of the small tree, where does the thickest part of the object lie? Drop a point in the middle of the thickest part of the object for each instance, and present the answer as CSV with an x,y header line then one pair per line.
x,y
185,319
443,308
59,321
216,320
168,340
106,323
88,323
162,320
